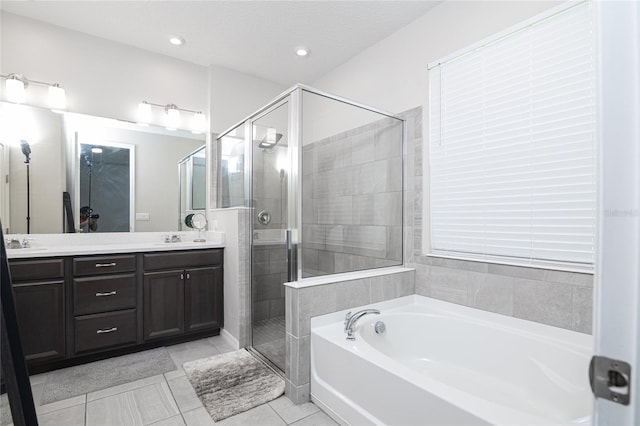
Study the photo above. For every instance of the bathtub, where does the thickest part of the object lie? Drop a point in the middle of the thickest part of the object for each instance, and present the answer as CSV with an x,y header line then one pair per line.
x,y
439,363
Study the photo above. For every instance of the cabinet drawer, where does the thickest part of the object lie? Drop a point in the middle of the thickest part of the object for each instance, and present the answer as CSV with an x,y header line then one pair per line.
x,y
25,270
182,259
104,293
103,330
104,264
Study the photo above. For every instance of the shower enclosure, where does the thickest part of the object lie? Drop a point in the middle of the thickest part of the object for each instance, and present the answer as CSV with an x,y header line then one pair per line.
x,y
323,179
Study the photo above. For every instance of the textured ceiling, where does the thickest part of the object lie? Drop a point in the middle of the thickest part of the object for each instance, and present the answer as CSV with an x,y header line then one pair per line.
x,y
255,37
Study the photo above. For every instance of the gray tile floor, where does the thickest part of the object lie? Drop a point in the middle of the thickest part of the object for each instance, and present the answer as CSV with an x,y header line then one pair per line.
x,y
166,399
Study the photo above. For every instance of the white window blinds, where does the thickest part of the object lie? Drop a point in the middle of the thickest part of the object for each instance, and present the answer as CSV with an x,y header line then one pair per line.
x,y
513,143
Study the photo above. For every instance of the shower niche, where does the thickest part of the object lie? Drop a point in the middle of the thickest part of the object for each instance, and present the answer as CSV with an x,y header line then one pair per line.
x,y
322,178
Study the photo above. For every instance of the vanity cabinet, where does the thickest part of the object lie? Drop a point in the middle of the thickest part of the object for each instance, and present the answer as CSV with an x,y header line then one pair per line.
x,y
38,288
78,309
182,293
104,302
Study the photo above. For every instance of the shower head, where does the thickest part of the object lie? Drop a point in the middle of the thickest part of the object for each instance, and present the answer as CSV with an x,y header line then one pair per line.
x,y
265,144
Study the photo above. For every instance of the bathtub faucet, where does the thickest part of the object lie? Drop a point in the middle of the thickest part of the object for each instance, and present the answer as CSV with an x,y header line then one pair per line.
x,y
351,320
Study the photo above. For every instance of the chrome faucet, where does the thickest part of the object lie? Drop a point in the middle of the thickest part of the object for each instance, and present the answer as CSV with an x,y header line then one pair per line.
x,y
13,243
351,320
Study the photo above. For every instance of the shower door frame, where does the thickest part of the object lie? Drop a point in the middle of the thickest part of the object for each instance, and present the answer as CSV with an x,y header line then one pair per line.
x,y
290,98
293,95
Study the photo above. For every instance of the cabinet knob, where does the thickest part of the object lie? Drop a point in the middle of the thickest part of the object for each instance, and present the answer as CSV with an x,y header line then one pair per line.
x,y
182,276
188,275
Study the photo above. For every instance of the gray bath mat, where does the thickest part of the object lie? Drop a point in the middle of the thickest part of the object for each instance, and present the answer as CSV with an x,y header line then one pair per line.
x,y
233,382
80,379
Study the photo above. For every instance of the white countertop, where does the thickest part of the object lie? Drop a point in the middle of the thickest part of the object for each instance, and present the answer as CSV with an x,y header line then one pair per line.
x,y
52,245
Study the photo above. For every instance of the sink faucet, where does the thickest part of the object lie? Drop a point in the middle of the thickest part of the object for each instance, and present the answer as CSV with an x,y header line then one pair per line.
x,y
13,243
351,320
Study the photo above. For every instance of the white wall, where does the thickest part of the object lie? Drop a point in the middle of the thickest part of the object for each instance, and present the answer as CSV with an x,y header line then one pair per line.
x,y
101,77
235,95
392,74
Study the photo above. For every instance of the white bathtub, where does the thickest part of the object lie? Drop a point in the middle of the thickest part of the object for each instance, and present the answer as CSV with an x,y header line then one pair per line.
x,y
443,364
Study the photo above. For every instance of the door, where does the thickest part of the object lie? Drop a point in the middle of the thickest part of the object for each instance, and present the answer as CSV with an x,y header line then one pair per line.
x,y
40,312
617,301
203,298
163,304
270,159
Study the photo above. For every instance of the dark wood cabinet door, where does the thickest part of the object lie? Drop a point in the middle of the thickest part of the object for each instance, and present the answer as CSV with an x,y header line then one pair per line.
x,y
203,298
163,304
40,311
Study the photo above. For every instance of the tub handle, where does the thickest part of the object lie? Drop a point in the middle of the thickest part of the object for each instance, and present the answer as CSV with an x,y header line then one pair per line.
x,y
346,320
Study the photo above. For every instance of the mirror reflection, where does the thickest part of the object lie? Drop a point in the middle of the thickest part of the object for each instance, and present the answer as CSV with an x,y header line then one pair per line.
x,y
65,157
193,178
105,183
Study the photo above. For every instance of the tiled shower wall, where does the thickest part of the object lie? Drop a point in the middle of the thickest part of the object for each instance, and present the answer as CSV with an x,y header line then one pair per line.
x,y
352,200
558,298
269,272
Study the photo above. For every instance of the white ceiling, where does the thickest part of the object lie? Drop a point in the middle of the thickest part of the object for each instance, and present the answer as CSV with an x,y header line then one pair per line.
x,y
255,37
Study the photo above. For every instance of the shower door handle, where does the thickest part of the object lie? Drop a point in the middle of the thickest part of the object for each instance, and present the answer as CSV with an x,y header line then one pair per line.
x,y
292,253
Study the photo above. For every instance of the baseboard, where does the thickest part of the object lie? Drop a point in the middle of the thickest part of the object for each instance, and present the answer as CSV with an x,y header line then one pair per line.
x,y
228,337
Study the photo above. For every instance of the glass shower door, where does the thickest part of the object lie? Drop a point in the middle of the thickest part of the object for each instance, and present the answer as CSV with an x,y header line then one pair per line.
x,y
269,265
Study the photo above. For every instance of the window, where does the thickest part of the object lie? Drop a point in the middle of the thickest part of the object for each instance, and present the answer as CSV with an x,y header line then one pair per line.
x,y
513,143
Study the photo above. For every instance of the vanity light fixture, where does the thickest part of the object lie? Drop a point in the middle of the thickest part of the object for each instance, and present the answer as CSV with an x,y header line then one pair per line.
x,y
172,119
173,116
198,123
144,113
16,85
176,40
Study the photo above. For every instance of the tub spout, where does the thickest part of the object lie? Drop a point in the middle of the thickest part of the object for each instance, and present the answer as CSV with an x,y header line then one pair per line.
x,y
351,320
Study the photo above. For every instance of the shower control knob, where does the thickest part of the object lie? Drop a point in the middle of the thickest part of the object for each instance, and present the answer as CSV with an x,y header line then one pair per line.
x,y
380,328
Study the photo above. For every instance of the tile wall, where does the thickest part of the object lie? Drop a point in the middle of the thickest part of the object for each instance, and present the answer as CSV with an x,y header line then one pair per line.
x,y
352,200
304,303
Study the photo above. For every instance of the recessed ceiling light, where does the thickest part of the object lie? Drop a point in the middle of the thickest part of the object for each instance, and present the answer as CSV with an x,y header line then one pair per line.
x,y
176,40
302,51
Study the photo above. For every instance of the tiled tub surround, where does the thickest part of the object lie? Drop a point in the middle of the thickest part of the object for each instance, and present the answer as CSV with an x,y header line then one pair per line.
x,y
344,292
440,363
352,200
558,298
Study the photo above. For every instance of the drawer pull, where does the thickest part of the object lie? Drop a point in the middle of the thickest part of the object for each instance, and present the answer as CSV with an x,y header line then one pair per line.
x,y
108,330
105,265
111,293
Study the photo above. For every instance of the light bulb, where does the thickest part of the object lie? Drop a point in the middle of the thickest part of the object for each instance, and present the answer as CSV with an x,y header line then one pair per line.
x,y
302,51
57,98
198,124
144,113
173,117
15,90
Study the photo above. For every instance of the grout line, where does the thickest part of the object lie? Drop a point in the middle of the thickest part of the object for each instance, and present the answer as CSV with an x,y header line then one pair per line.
x,y
274,410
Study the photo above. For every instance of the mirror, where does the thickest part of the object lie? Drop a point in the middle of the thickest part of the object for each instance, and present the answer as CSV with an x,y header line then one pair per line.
x,y
196,221
59,144
193,177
